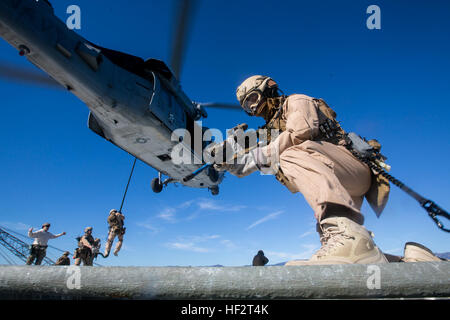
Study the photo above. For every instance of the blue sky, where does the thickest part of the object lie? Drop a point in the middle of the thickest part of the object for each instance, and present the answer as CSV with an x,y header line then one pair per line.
x,y
389,84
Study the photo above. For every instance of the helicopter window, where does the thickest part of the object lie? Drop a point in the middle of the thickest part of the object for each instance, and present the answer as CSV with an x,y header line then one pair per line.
x,y
126,61
158,66
91,55
65,52
164,157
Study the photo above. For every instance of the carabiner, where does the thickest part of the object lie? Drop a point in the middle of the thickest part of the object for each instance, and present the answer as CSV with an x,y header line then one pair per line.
x,y
434,210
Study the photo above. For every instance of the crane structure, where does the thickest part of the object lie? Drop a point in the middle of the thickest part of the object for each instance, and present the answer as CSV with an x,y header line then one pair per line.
x,y
18,247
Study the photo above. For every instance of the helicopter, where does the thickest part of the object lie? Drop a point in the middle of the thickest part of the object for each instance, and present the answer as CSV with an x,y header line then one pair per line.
x,y
136,104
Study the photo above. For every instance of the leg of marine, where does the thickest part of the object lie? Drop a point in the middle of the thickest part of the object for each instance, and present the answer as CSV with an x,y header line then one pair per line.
x,y
333,183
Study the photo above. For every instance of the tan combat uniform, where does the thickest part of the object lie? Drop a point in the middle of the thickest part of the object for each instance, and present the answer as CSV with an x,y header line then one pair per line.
x,y
330,178
96,248
84,252
64,260
115,221
311,156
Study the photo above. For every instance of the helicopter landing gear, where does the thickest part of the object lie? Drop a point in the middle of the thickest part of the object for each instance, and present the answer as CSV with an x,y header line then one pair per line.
x,y
214,190
213,174
156,185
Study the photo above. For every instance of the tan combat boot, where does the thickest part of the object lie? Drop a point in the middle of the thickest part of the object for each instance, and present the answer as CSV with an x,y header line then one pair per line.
x,y
343,242
415,252
107,249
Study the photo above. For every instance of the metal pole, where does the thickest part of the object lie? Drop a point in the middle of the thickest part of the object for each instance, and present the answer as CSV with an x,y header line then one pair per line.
x,y
355,281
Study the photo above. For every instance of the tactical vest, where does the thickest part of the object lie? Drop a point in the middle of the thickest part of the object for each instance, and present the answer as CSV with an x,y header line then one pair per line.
x,y
275,120
63,261
115,224
89,238
329,128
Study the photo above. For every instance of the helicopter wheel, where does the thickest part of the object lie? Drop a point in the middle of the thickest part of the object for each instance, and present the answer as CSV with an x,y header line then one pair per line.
x,y
214,190
213,174
157,185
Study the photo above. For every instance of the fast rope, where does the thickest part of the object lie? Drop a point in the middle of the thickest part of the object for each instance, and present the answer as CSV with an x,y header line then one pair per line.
x,y
128,183
432,208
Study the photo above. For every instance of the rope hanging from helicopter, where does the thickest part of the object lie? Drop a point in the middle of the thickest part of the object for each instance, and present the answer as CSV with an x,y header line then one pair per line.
x,y
128,184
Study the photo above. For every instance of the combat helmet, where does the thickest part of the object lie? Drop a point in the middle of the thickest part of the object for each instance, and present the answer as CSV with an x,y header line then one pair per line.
x,y
252,93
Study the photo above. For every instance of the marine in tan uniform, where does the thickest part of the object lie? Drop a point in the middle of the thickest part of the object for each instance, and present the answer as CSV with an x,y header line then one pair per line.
x,y
84,252
96,248
64,260
116,228
308,156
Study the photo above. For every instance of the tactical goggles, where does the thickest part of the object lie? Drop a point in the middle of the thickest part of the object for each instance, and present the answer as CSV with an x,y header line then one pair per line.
x,y
251,101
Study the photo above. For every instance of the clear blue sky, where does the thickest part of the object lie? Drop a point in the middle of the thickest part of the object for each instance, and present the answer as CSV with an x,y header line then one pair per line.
x,y
390,84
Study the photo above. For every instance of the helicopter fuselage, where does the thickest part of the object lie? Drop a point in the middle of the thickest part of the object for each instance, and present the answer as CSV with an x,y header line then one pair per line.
x,y
135,104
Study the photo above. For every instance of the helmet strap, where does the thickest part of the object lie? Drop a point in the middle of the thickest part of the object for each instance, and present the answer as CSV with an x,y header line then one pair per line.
x,y
260,109
273,105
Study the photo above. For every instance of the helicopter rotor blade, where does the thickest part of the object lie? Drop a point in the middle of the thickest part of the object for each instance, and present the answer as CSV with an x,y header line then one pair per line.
x,y
183,19
227,106
26,75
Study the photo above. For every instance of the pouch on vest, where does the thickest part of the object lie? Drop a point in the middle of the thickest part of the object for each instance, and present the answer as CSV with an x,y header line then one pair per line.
x,y
361,147
329,128
378,193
